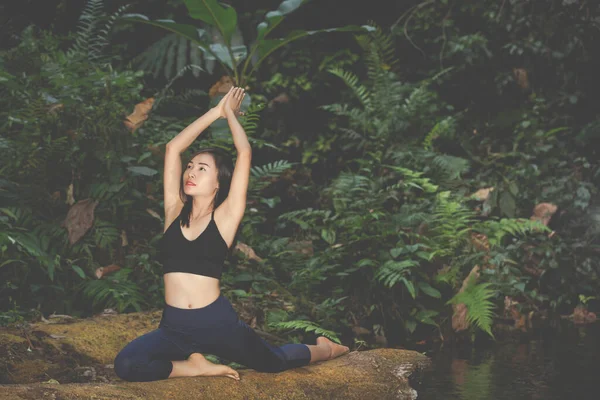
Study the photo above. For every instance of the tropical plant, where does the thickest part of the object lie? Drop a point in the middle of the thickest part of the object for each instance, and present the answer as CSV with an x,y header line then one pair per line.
x,y
230,49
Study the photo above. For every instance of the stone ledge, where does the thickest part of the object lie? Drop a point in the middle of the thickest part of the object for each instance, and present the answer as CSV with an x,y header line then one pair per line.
x,y
373,374
77,355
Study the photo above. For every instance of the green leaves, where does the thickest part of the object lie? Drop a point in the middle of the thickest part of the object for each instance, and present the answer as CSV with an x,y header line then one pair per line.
x,y
429,291
328,235
189,31
224,18
273,18
220,15
115,290
479,306
306,326
141,170
78,270
507,204
392,272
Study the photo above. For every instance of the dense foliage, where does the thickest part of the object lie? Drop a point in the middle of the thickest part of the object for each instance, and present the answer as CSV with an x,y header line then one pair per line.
x,y
367,157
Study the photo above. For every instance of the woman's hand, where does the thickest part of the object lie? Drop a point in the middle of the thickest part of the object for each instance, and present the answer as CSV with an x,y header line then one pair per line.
x,y
230,103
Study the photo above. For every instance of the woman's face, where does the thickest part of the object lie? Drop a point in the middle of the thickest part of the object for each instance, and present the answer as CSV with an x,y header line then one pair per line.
x,y
200,176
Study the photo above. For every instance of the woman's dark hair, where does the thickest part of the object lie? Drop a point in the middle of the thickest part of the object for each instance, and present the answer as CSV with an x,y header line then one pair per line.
x,y
224,163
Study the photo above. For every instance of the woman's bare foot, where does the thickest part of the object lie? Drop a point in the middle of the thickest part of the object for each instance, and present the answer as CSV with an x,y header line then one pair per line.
x,y
335,350
206,368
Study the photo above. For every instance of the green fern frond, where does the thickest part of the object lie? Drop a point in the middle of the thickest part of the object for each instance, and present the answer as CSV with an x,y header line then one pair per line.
x,y
380,52
306,326
251,118
91,14
305,218
263,176
169,56
275,316
351,81
271,170
100,39
90,38
105,233
412,179
476,298
115,290
353,135
448,276
410,219
392,272
444,128
452,167
497,230
450,225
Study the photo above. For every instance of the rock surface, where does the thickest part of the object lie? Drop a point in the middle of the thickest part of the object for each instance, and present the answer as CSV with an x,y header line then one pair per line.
x,y
72,359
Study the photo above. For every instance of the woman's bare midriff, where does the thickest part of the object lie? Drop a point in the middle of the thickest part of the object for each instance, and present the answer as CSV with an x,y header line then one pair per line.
x,y
183,290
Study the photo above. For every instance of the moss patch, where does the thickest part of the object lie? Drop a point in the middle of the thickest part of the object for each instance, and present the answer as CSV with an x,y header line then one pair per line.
x,y
78,354
377,374
102,337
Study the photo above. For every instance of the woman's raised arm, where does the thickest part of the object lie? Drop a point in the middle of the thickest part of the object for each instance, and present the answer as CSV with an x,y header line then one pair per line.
x,y
235,202
172,168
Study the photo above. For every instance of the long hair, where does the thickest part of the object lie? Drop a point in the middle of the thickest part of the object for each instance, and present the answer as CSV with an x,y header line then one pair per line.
x,y
224,163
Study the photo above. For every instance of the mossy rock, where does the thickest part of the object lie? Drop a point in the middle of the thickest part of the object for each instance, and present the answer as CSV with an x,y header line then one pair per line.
x,y
373,374
73,360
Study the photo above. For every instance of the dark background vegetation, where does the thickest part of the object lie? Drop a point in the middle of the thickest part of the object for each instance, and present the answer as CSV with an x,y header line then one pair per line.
x,y
367,149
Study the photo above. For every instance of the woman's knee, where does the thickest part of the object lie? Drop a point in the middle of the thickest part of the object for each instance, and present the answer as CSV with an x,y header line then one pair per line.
x,y
124,367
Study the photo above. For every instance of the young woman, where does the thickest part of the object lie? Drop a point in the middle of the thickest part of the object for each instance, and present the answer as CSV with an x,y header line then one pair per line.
x,y
203,209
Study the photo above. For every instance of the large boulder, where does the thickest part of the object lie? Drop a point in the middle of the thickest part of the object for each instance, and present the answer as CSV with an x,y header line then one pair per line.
x,y
72,359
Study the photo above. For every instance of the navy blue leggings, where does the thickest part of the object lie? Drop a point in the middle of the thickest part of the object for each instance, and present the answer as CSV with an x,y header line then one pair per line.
x,y
214,329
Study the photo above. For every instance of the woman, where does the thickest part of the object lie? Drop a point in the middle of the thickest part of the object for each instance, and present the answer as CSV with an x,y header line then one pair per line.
x,y
198,234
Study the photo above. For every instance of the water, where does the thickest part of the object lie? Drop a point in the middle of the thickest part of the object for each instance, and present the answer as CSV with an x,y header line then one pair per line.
x,y
549,365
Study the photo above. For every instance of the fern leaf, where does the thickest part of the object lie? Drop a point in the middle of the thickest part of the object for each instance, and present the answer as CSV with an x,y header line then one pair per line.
x,y
352,81
306,326
451,166
476,297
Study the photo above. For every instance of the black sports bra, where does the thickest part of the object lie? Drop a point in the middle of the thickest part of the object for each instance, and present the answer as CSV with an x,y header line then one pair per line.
x,y
204,255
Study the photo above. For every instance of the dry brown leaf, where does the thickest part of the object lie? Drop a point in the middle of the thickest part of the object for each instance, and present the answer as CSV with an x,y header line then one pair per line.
x,y
248,251
282,98
302,247
139,115
155,150
582,316
153,213
480,241
459,316
543,212
521,77
522,322
80,219
359,330
103,271
70,199
482,194
54,108
221,87
124,241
